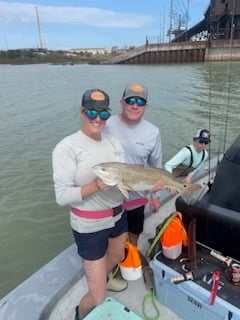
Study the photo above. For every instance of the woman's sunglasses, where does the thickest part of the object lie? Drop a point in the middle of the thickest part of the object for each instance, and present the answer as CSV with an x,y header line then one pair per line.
x,y
92,114
139,101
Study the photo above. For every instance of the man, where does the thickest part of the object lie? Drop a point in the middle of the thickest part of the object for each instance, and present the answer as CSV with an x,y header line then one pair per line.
x,y
189,159
141,141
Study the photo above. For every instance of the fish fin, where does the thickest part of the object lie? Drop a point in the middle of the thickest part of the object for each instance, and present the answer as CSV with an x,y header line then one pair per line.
x,y
124,192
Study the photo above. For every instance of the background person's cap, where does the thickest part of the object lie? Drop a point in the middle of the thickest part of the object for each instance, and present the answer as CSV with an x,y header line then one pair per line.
x,y
203,134
95,99
135,90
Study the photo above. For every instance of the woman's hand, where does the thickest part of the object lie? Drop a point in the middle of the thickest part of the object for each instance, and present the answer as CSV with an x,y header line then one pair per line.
x,y
101,185
93,187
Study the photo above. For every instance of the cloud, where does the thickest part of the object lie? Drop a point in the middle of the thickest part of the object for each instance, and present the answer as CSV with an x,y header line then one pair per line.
x,y
24,12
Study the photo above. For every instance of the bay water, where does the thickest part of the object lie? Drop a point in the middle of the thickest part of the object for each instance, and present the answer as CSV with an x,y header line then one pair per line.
x,y
39,105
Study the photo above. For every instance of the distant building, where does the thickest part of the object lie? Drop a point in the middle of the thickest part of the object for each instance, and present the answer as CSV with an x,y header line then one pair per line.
x,y
93,51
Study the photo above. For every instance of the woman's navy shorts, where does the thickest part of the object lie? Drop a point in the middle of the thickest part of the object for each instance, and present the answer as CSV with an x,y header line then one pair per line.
x,y
93,246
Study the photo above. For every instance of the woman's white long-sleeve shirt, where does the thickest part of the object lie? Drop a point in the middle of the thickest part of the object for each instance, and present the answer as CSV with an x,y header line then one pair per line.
x,y
72,161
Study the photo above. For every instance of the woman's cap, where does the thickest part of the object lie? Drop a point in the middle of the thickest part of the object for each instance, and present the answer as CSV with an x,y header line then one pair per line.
x,y
203,135
95,99
135,90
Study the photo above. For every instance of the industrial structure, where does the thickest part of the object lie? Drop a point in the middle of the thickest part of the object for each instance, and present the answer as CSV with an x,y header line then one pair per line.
x,y
208,40
221,21
224,19
179,18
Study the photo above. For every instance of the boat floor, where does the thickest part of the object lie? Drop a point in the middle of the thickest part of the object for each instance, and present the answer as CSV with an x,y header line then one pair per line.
x,y
132,298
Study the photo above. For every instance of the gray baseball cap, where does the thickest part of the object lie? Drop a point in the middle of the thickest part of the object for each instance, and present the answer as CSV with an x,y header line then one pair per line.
x,y
135,90
95,99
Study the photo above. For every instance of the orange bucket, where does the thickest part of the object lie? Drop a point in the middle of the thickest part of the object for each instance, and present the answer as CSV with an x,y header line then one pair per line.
x,y
131,266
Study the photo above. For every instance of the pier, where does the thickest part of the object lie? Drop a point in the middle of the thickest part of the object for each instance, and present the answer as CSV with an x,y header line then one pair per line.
x,y
181,52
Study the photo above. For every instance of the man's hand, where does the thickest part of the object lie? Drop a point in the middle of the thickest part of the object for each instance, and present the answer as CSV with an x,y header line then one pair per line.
x,y
154,204
173,191
157,186
188,180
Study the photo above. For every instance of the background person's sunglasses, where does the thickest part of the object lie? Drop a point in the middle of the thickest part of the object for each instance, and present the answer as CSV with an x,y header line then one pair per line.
x,y
201,142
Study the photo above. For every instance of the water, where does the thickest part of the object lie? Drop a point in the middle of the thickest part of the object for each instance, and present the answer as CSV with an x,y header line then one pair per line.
x,y
39,105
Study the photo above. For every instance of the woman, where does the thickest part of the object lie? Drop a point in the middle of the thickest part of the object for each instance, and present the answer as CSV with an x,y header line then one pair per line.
x,y
100,236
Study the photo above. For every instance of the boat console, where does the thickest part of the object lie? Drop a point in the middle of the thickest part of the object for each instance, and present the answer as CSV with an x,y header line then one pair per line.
x,y
197,297
218,212
204,282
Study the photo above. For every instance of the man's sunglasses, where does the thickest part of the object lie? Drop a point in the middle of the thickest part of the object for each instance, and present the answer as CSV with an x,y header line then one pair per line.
x,y
92,114
201,142
139,101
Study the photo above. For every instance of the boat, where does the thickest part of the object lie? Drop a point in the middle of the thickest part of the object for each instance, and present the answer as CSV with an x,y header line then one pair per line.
x,y
54,290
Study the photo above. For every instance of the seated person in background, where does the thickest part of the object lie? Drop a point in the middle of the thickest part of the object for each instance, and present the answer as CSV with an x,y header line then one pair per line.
x,y
188,160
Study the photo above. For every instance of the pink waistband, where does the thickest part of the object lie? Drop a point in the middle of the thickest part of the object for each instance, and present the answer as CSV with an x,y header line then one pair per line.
x,y
98,214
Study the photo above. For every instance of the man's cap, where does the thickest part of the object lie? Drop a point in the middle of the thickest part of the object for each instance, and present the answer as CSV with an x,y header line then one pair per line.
x,y
95,99
135,90
203,134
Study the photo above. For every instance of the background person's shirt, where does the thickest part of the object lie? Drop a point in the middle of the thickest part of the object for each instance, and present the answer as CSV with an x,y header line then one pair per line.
x,y
184,157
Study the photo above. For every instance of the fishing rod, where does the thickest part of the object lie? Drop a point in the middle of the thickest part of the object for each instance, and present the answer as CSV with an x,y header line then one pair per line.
x,y
225,115
224,119
229,72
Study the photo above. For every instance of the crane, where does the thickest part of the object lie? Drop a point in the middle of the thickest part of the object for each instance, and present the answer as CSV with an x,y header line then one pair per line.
x,y
179,16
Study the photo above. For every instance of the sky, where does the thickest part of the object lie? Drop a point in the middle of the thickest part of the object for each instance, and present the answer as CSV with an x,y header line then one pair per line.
x,y
69,24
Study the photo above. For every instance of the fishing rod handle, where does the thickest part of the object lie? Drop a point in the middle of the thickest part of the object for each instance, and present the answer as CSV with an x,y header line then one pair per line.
x,y
226,260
